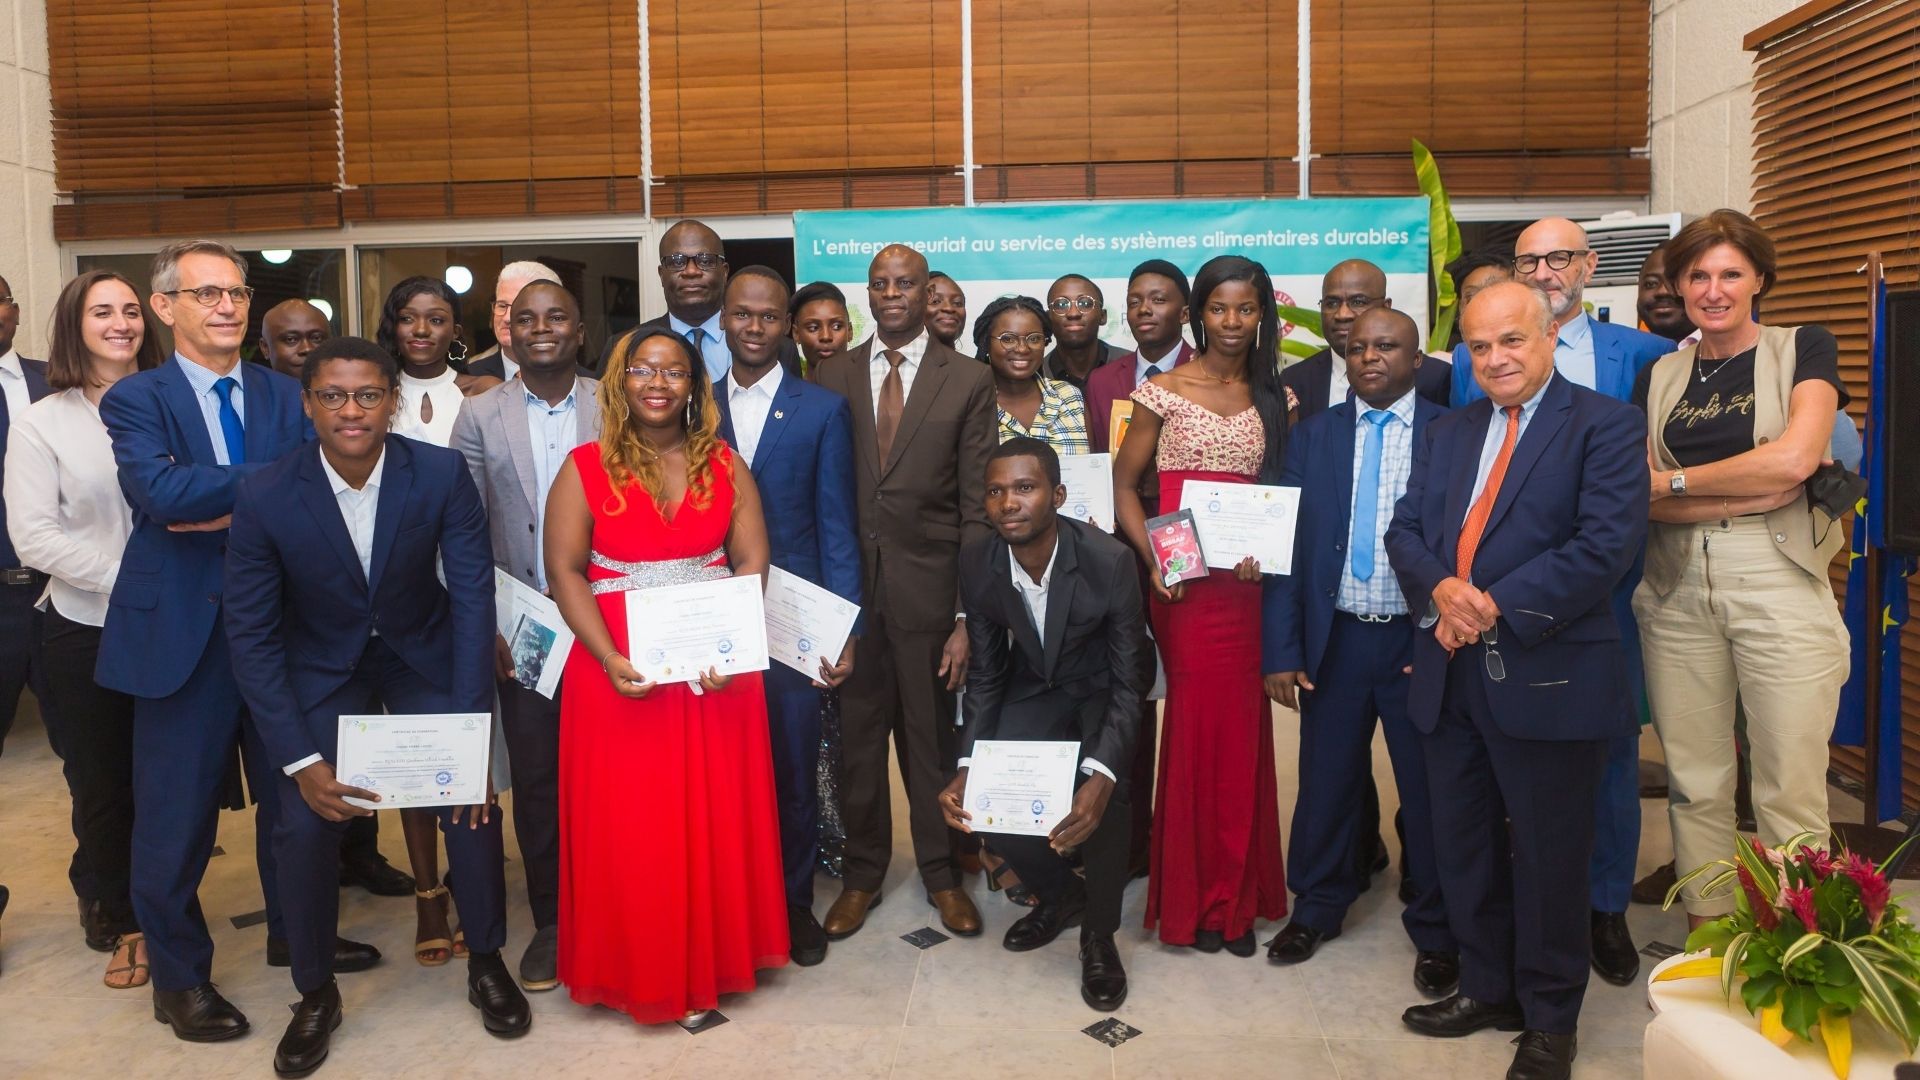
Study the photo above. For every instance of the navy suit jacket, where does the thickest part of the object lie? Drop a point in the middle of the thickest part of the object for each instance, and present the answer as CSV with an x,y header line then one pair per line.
x,y
35,372
165,604
1619,352
804,470
1570,516
1297,608
1308,379
300,611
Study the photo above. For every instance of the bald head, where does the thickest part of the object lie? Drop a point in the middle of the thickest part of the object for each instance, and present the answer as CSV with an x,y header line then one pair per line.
x,y
1549,241
693,271
1509,331
1383,352
289,331
1348,289
897,294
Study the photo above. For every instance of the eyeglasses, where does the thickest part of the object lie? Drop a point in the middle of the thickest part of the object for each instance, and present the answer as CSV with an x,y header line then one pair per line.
x,y
1496,667
1009,339
1357,302
209,295
1065,303
367,397
1556,260
5,301
672,375
706,260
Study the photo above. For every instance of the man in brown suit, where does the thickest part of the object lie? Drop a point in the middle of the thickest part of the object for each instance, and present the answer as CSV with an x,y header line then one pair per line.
x,y
923,425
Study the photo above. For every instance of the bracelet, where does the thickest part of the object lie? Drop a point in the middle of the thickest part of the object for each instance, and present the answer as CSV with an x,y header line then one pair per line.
x,y
607,659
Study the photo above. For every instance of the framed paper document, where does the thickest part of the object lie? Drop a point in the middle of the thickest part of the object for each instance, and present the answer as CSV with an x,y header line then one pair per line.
x,y
1238,520
433,759
805,623
1088,479
1017,787
676,632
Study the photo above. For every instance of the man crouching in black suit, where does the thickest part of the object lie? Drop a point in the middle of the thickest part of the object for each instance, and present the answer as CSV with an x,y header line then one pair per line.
x,y
1059,653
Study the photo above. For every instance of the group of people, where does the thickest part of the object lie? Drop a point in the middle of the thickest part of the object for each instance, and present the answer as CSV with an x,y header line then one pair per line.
x,y
215,560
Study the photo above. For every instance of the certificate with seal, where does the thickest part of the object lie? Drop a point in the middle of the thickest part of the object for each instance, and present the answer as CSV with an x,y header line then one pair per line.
x,y
676,632
1238,520
1019,787
805,623
1088,479
432,759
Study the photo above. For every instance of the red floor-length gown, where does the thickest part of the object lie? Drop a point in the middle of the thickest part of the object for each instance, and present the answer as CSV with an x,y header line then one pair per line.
x,y
1216,813
671,891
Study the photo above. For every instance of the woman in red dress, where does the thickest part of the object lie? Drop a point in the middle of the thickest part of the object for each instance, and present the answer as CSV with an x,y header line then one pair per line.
x,y
1216,863
671,890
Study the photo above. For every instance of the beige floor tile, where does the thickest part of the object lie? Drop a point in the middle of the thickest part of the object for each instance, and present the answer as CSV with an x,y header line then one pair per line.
x,y
824,1051
1200,1057
944,1053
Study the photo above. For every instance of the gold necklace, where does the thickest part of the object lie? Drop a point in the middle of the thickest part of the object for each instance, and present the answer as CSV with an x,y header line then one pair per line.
x,y
663,453
1216,378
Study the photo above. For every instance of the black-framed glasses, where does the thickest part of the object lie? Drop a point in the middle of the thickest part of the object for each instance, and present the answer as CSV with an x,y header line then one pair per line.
x,y
1357,302
705,260
1067,303
209,295
672,375
367,397
1009,339
1555,260
1496,667
5,301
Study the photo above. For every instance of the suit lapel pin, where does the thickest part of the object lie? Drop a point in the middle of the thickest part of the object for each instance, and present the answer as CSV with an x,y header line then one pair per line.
x,y
778,415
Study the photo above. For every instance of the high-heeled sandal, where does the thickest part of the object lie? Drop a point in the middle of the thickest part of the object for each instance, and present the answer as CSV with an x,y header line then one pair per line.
x,y
137,971
1017,892
433,952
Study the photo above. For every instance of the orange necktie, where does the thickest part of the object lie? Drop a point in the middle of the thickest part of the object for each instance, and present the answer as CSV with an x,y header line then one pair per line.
x,y
1483,506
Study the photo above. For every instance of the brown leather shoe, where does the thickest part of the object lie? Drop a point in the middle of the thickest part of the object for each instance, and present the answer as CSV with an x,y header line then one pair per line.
x,y
957,912
849,913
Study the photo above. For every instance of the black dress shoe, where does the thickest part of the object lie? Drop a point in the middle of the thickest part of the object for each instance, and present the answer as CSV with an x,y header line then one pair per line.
x,y
1296,942
1209,940
503,1008
1241,946
1614,957
1103,982
377,876
1653,888
199,1014
304,1047
1040,926
1543,1055
101,937
1408,894
348,956
808,942
1436,973
1461,1015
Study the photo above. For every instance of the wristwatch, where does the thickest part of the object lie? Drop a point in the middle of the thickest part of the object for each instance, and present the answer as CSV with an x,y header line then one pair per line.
x,y
1677,483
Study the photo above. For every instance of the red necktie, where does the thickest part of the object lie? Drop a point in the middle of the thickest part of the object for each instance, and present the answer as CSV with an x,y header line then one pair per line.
x,y
1483,506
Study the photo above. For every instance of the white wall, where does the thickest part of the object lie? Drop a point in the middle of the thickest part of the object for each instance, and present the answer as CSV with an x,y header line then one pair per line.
x,y
29,258
1703,102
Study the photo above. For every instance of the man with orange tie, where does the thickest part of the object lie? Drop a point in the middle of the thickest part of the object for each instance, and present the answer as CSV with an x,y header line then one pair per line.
x,y
1522,511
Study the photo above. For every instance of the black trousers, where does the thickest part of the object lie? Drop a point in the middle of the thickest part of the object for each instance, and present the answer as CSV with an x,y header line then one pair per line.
x,y
22,665
531,723
95,733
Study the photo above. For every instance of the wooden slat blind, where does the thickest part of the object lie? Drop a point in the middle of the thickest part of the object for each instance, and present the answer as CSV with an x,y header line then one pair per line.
x,y
1837,174
770,87
1495,75
479,90
1097,81
170,96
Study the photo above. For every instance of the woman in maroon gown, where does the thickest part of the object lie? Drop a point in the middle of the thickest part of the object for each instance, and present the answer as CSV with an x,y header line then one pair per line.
x,y
671,890
1216,863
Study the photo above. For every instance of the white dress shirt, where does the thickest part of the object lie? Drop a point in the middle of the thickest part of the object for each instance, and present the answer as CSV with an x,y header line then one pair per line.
x,y
65,512
203,382
1573,352
1337,385
749,407
711,341
357,509
877,367
1164,363
13,382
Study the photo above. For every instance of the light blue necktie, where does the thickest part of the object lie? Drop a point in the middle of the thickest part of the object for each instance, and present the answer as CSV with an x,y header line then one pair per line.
x,y
230,426
1366,496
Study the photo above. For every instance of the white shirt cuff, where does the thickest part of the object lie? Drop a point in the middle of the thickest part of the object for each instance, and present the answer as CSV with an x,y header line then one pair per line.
x,y
302,763
1090,766
963,763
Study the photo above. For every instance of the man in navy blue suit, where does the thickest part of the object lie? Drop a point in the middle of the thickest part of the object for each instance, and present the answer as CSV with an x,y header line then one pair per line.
x,y
334,608
1552,254
1516,526
1337,642
22,382
184,434
797,439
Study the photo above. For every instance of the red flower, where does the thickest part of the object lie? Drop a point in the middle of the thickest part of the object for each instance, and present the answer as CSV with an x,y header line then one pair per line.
x,y
1874,891
1764,914
1799,899
1820,861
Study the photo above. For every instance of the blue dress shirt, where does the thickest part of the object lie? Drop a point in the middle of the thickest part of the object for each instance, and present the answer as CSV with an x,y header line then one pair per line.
x,y
711,342
554,432
1573,353
202,381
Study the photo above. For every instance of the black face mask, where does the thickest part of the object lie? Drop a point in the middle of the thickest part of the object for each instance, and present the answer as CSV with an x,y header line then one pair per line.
x,y
1833,490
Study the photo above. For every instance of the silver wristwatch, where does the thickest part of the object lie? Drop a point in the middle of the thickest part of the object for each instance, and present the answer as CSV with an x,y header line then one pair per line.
x,y
1677,483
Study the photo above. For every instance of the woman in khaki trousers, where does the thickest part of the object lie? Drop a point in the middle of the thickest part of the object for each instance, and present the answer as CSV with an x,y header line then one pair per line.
x,y
1735,602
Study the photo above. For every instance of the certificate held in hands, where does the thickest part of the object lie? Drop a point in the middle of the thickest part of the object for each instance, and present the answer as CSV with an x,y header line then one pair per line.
x,y
675,633
1088,479
1020,787
1241,520
435,759
806,624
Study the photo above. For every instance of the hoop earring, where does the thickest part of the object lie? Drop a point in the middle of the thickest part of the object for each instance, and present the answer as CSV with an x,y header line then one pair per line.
x,y
461,356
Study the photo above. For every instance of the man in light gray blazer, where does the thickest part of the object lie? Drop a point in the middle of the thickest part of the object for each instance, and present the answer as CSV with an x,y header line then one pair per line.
x,y
515,438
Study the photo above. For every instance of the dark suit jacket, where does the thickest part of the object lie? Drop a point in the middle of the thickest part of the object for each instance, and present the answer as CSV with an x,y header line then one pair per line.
x,y
1308,379
35,372
929,496
1571,514
1297,608
1619,352
804,469
299,610
166,602
1111,382
1089,670
490,364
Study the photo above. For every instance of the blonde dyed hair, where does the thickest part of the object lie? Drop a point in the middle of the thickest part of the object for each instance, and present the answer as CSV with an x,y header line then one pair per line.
x,y
626,454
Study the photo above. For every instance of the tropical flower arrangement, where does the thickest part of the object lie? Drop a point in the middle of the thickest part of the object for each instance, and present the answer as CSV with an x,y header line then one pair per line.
x,y
1817,938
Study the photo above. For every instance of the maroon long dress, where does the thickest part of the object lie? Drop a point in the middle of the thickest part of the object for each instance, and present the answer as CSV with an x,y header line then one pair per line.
x,y
671,891
1216,814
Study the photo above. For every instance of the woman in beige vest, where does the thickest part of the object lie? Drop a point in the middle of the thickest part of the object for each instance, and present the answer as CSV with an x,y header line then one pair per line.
x,y
1735,601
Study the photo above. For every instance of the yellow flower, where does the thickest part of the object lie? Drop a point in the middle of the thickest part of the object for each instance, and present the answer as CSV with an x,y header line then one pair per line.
x,y
1698,968
1837,1032
1772,1029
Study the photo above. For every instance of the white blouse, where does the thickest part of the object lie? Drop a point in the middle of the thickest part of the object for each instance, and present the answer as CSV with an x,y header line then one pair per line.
x,y
65,513
446,399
